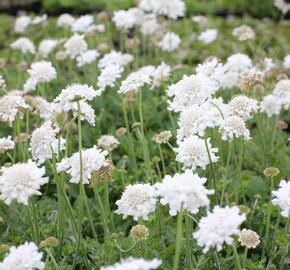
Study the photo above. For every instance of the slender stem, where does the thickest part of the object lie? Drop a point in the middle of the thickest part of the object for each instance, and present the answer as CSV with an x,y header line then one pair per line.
x,y
237,258
20,145
216,260
52,258
245,257
162,159
188,241
35,222
107,202
178,240
31,224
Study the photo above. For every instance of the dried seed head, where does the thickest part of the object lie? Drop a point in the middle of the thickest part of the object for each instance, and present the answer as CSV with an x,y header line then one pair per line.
x,y
139,233
162,137
121,131
271,172
49,242
249,238
244,209
104,173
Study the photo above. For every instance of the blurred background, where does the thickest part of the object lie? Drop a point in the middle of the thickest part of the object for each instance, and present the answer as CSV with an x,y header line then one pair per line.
x,y
254,8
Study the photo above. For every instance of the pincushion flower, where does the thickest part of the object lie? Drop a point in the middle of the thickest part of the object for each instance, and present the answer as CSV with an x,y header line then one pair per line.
x,y
21,23
133,82
218,227
23,44
160,74
44,141
42,107
65,20
149,27
208,36
137,200
134,264
93,160
23,257
271,105
286,61
87,57
75,45
249,238
6,144
244,32
282,198
282,90
238,62
170,42
108,142
46,46
192,152
184,190
109,75
124,19
10,105
117,58
20,181
82,23
283,5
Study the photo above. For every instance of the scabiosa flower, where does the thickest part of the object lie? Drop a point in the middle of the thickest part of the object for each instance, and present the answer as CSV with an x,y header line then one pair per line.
x,y
149,27
41,107
133,82
286,61
234,126
25,256
244,32
162,137
65,20
249,238
283,5
282,198
192,152
186,190
170,42
160,74
282,90
218,227
139,233
10,105
109,75
238,62
114,57
39,72
24,45
93,160
194,89
199,19
271,172
82,23
46,46
21,23
249,78
243,107
20,181
208,36
230,80
108,142
134,264
124,19
40,19
6,144
271,105
138,201
87,57
44,140
75,45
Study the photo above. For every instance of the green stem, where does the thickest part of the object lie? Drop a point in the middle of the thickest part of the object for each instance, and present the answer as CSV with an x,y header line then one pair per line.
x,y
245,257
237,258
188,241
178,240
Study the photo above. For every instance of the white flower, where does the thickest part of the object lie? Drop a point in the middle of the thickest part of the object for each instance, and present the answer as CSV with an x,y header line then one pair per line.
x,y
286,62
238,62
244,32
40,19
208,36
282,90
75,45
267,64
82,23
10,105
192,152
230,80
199,19
271,105
92,160
149,27
137,200
42,107
24,45
138,14
44,140
6,144
172,9
21,23
20,181
194,89
109,75
283,5
234,126
186,190
46,46
65,20
161,73
282,198
124,19
249,238
170,42
87,57
134,81
134,264
23,257
39,72
218,227
243,107
116,58
108,142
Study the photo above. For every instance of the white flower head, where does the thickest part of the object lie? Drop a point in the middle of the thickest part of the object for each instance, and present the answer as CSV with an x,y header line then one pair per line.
x,y
133,82
138,201
282,198
92,160
244,32
192,152
134,264
87,57
160,74
238,62
109,75
124,19
271,105
108,142
46,46
75,45
149,27
170,42
218,227
65,20
23,257
282,90
283,5
208,36
249,238
115,58
286,61
184,190
23,44
20,181
44,141
21,23
42,107
6,144
82,23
